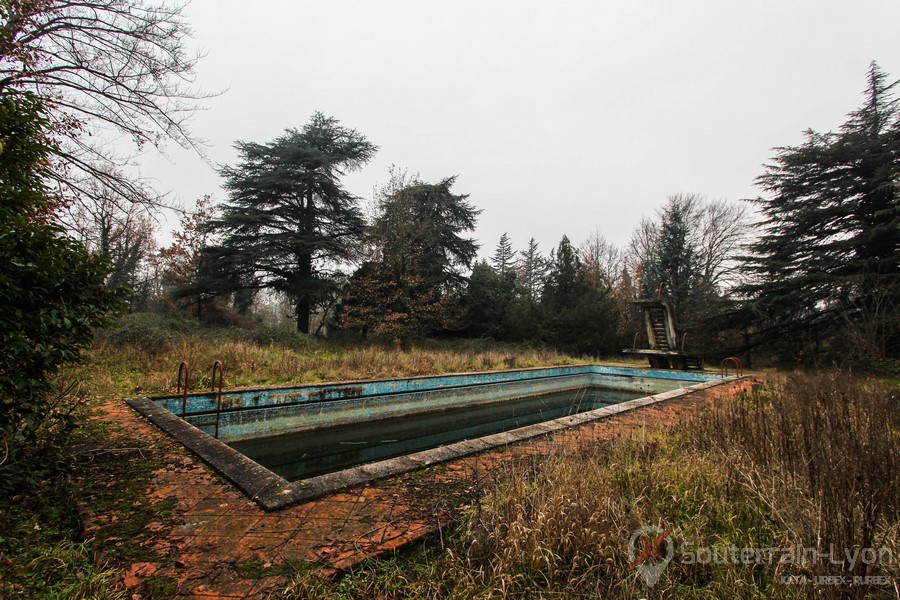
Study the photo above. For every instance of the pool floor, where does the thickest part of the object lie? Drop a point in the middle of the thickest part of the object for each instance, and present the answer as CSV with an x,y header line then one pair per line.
x,y
296,456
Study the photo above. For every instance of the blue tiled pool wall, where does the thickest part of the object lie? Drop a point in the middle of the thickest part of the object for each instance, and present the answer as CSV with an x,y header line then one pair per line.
x,y
263,412
600,375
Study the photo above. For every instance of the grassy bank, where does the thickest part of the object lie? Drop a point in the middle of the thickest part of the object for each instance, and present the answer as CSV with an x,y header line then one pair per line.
x,y
810,461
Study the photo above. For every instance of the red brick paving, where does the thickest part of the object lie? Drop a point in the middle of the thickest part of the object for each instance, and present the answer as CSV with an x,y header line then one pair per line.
x,y
214,530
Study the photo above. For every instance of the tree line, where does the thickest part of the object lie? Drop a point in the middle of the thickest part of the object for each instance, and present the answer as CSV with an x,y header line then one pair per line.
x,y
815,280
290,230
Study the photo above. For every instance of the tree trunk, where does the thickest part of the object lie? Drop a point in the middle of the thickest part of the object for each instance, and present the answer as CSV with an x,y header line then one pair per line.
x,y
303,308
304,264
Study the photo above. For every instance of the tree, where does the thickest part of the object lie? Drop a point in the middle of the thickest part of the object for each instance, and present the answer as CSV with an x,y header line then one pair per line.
x,y
675,260
124,237
827,261
564,282
502,260
722,232
289,223
532,268
411,283
181,264
601,260
693,247
98,67
52,292
578,317
487,300
624,294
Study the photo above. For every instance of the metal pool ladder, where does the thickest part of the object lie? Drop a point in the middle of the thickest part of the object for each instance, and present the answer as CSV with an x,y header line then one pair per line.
x,y
218,368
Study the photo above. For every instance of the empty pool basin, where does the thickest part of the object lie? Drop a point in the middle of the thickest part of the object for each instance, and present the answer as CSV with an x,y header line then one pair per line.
x,y
287,444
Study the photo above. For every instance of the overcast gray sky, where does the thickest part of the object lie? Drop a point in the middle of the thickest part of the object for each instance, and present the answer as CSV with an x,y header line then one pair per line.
x,y
558,118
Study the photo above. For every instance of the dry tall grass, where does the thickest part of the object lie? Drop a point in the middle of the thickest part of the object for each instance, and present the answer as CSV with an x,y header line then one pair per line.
x,y
822,452
146,360
809,460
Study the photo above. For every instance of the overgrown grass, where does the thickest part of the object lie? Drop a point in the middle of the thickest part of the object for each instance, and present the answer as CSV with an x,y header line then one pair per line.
x,y
809,461
143,353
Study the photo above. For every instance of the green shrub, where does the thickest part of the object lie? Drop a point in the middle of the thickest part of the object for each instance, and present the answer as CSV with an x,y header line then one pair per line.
x,y
267,336
52,295
148,331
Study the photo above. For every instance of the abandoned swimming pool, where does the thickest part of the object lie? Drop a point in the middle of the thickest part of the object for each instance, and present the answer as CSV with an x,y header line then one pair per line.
x,y
285,445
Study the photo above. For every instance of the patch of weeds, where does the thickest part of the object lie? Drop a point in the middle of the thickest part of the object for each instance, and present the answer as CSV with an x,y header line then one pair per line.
x,y
411,573
163,509
41,551
161,587
255,568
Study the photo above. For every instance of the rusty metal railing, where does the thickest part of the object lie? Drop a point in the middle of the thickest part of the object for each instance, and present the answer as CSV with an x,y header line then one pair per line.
x,y
182,386
219,368
642,290
731,360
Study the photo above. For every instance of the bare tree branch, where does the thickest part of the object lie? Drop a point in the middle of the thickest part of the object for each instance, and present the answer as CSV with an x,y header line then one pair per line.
x,y
101,66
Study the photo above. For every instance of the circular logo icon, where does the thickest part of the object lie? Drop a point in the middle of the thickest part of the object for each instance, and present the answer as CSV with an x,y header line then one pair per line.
x,y
650,550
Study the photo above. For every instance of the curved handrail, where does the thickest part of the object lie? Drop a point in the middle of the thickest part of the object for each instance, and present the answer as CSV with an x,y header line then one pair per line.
x,y
637,338
683,338
220,368
183,368
659,290
731,360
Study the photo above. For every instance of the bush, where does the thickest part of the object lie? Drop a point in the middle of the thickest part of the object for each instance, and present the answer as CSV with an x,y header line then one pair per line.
x,y
269,336
148,331
52,295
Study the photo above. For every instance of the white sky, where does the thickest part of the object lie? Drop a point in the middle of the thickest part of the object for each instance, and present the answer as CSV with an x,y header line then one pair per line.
x,y
558,118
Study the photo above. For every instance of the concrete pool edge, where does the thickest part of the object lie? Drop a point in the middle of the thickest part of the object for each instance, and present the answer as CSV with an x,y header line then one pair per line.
x,y
272,492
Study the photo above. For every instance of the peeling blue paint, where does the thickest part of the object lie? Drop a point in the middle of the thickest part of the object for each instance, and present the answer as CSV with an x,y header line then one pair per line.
x,y
252,412
266,417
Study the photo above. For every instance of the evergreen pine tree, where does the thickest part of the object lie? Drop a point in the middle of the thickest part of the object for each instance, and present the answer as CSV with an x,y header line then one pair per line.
x,y
289,221
413,281
532,268
674,260
502,261
826,267
563,283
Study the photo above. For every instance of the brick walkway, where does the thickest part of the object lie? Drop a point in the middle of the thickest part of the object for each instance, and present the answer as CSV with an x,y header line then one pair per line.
x,y
216,543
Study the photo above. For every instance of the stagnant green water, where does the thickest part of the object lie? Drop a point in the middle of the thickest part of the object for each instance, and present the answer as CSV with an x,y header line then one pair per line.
x,y
296,456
